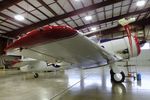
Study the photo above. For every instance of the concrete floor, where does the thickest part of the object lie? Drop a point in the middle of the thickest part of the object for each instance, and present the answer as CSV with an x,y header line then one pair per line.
x,y
74,84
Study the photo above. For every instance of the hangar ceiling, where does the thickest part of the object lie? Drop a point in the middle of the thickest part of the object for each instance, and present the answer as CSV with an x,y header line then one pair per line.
x,y
38,13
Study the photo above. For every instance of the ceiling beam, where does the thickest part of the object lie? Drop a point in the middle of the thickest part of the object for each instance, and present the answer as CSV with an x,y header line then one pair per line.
x,y
47,7
9,23
114,18
12,19
7,3
60,17
118,28
36,8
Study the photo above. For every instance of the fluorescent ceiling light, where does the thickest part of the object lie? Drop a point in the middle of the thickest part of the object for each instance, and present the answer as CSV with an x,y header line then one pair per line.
x,y
88,18
77,0
93,29
19,17
132,19
140,3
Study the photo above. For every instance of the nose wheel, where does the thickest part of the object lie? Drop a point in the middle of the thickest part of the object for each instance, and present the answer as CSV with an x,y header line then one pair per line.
x,y
36,75
117,77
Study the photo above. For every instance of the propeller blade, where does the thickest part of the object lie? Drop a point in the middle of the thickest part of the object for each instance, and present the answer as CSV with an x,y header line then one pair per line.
x,y
124,22
129,37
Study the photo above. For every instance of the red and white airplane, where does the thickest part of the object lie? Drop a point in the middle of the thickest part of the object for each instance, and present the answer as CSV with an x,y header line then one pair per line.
x,y
63,43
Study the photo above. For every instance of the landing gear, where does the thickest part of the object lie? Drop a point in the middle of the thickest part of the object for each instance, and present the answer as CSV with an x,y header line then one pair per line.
x,y
36,75
117,77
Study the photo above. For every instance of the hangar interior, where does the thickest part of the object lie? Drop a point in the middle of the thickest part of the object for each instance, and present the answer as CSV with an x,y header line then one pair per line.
x,y
95,19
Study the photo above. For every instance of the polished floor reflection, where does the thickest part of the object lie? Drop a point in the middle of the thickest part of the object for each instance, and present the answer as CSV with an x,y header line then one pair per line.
x,y
73,84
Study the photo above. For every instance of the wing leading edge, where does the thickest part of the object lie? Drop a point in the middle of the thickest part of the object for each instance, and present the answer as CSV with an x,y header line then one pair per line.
x,y
53,43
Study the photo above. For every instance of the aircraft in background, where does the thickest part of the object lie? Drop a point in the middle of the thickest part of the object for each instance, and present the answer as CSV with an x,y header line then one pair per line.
x,y
50,44
35,66
26,65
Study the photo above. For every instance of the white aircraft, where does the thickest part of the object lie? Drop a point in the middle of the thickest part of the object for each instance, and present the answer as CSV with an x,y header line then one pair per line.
x,y
30,65
63,43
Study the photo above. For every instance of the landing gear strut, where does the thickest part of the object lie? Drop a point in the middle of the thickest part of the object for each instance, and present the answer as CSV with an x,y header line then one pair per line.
x,y
36,75
117,77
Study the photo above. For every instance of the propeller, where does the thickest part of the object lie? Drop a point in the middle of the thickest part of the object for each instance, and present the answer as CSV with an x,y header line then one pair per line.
x,y
124,22
126,27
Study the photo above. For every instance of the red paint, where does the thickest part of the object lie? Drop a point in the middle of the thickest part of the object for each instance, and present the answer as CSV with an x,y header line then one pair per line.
x,y
129,37
137,44
43,35
15,62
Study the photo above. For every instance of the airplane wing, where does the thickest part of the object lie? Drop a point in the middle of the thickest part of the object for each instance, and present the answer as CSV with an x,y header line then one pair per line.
x,y
51,43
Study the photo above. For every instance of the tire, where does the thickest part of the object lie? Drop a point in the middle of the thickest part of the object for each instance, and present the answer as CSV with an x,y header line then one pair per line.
x,y
123,78
111,74
36,75
116,81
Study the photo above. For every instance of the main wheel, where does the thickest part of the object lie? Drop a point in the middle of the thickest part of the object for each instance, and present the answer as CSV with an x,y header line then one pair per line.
x,y
36,75
117,77
123,76
111,74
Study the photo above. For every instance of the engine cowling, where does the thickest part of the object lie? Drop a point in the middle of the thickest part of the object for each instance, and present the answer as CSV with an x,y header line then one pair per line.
x,y
122,47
